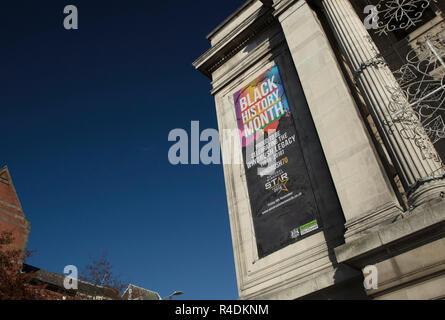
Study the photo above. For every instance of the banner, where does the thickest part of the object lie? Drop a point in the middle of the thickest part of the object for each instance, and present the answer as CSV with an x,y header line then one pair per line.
x,y
282,202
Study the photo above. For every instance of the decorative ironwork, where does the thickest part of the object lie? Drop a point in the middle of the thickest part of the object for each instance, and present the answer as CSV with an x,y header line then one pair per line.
x,y
400,14
418,97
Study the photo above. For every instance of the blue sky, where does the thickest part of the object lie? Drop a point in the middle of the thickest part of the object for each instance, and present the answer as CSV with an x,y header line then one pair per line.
x,y
85,117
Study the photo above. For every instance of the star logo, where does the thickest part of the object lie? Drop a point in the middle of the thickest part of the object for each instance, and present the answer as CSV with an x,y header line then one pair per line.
x,y
282,184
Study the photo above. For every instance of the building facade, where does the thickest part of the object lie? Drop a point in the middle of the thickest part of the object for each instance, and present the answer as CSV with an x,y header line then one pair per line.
x,y
12,217
337,111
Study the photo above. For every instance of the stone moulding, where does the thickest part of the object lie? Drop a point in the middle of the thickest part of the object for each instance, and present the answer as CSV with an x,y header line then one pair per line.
x,y
233,42
424,222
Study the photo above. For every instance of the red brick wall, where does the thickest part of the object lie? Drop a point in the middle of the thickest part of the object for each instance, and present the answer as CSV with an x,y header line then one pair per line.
x,y
12,218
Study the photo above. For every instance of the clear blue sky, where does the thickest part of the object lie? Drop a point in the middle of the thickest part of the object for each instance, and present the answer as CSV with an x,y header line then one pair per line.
x,y
85,117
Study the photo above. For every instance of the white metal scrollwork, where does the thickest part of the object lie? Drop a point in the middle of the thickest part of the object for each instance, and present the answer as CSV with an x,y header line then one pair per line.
x,y
421,82
400,14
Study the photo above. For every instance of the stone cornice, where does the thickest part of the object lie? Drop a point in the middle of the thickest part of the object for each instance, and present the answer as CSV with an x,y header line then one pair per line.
x,y
281,6
233,42
267,47
423,223
228,19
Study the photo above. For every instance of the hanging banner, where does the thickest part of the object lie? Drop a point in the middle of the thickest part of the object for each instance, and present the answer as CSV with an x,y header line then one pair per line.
x,y
282,202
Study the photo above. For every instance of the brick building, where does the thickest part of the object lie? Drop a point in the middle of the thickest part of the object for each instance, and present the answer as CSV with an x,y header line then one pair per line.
x,y
12,217
13,220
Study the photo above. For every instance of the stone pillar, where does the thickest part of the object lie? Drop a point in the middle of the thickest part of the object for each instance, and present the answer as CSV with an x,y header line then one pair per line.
x,y
411,151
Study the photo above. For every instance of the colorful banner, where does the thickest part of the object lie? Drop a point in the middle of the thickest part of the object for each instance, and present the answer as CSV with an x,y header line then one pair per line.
x,y
280,192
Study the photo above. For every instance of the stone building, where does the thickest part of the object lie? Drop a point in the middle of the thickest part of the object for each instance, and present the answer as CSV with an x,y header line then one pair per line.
x,y
342,194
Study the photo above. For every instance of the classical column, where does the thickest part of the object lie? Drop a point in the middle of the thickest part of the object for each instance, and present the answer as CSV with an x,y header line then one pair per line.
x,y
363,187
417,162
